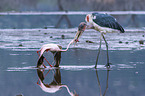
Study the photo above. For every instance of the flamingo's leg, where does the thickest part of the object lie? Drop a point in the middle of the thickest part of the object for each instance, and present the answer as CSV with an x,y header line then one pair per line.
x,y
47,73
44,58
38,82
44,76
48,62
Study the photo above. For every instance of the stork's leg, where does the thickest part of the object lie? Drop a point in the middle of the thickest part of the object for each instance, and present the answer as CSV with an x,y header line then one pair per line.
x,y
98,82
108,64
98,52
106,82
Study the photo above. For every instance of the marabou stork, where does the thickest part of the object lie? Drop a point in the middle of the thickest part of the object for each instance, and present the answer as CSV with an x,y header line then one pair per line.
x,y
103,23
55,49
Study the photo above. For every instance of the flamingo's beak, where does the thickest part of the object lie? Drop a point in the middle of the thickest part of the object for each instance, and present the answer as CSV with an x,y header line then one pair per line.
x,y
81,29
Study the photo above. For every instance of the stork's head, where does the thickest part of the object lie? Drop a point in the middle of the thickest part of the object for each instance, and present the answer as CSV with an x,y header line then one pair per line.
x,y
89,21
89,18
81,29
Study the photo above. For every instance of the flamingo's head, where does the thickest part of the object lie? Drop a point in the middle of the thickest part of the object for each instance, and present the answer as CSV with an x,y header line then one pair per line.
x,y
81,29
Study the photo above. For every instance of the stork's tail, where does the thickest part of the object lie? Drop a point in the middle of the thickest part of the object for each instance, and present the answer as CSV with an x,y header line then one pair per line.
x,y
116,25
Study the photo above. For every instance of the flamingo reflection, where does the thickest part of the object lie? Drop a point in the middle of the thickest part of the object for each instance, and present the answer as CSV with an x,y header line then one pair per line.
x,y
100,84
55,85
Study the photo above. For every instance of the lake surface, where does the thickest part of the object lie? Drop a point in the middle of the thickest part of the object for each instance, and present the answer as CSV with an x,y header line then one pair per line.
x,y
76,74
125,78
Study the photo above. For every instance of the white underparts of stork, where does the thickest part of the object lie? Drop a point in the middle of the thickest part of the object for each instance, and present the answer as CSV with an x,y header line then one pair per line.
x,y
104,29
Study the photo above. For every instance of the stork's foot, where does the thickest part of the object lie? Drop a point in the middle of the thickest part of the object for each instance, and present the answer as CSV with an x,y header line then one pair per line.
x,y
108,65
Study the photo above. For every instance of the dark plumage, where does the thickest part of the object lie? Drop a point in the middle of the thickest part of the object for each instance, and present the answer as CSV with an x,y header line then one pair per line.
x,y
57,58
105,20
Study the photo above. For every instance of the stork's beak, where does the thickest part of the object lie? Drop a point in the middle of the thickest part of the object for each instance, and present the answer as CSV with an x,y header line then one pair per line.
x,y
78,34
81,29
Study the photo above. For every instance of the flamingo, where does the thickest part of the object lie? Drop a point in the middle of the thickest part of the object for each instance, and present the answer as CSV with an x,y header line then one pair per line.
x,y
103,23
57,49
53,48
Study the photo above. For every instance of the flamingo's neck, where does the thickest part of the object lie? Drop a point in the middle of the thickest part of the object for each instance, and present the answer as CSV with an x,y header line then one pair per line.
x,y
71,93
68,45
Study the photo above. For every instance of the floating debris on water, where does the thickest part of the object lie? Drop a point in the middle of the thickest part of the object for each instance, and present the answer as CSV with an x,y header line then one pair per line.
x,y
126,42
120,42
141,42
42,41
20,95
62,36
51,36
45,27
88,41
45,33
20,45
136,72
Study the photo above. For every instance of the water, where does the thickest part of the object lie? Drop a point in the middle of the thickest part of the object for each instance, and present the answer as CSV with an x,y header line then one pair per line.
x,y
126,76
18,74
32,39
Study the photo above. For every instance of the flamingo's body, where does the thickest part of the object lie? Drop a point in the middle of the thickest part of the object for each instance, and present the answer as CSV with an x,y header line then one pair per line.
x,y
50,47
55,49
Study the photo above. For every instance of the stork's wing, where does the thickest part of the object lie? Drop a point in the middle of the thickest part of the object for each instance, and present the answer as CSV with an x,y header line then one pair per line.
x,y
106,20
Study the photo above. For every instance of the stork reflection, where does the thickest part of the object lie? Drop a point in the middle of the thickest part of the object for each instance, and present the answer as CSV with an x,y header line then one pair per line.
x,y
55,85
99,84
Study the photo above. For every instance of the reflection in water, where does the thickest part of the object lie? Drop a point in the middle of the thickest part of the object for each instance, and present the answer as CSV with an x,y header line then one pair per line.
x,y
63,16
100,84
55,85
